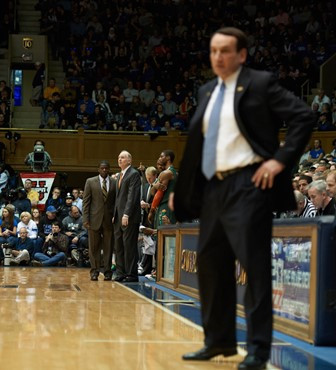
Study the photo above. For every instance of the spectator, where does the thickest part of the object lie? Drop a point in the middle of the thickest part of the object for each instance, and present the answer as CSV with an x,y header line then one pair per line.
x,y
21,204
76,200
169,106
305,208
8,226
320,99
22,249
147,95
54,248
55,200
44,226
318,194
66,208
32,194
317,153
74,229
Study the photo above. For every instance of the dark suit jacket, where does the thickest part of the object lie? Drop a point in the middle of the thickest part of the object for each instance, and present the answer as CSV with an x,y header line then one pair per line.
x,y
146,199
94,207
260,107
128,197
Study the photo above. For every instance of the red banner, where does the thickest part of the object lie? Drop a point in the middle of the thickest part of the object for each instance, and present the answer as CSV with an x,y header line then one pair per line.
x,y
42,183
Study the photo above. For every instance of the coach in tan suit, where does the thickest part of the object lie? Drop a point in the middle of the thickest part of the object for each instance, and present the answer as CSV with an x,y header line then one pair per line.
x,y
98,209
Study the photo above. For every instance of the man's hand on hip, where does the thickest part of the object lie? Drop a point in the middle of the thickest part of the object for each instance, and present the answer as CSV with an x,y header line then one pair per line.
x,y
264,176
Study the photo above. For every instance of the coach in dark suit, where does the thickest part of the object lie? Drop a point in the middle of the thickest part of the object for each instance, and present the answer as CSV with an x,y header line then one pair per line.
x,y
127,217
98,208
233,175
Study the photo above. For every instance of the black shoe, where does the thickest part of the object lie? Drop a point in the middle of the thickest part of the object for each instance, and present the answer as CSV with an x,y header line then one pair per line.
x,y
94,277
130,279
119,279
252,362
107,277
206,353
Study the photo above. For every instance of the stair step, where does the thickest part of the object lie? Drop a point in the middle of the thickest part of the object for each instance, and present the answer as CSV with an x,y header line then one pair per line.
x,y
28,13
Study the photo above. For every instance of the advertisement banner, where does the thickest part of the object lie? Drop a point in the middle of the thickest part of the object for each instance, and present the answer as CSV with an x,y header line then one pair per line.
x,y
291,277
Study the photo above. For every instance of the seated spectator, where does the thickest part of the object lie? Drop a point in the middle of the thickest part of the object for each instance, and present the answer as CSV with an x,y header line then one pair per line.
x,y
305,208
143,120
5,110
331,184
87,102
35,213
185,109
133,126
55,200
105,108
73,228
49,118
44,226
49,91
147,95
4,177
8,226
169,106
22,249
97,120
66,207
317,153
68,92
54,248
317,192
3,123
130,92
22,203
32,194
30,225
324,124
97,92
136,107
320,99
303,184
77,201
153,126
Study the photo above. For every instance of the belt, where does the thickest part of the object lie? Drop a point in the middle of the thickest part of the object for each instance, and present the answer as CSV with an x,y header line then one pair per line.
x,y
221,175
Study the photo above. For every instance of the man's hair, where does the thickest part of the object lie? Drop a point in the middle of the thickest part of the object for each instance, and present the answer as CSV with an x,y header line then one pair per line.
x,y
307,178
299,197
104,162
151,170
333,174
39,141
237,33
170,154
72,207
319,185
57,223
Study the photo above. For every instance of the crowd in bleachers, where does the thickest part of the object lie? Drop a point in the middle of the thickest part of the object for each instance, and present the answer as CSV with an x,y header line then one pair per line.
x,y
138,66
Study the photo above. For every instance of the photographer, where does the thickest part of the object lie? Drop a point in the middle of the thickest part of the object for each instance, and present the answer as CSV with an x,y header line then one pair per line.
x,y
22,249
39,160
54,248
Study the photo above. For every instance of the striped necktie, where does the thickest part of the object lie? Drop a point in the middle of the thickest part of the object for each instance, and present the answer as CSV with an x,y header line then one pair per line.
x,y
211,137
104,190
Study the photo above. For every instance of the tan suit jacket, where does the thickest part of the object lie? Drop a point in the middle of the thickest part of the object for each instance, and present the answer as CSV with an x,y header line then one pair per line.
x,y
95,211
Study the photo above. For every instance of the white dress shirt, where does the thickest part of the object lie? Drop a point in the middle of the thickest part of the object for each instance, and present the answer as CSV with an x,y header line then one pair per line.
x,y
233,150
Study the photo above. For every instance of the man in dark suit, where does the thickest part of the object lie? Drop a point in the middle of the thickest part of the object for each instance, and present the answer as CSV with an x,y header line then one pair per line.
x,y
98,208
127,218
233,175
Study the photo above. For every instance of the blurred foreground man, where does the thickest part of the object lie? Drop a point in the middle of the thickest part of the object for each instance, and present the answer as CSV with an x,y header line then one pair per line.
x,y
233,175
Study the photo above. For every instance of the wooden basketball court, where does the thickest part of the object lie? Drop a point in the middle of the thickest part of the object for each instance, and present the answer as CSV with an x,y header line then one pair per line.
x,y
56,318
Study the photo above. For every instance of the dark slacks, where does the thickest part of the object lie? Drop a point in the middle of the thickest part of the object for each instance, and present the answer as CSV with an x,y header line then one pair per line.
x,y
98,239
236,223
126,249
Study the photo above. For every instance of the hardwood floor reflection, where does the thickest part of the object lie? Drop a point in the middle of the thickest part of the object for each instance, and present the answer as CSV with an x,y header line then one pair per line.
x,y
56,318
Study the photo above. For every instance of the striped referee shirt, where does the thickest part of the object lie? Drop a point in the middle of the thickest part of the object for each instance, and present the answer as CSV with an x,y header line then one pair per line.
x,y
309,210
